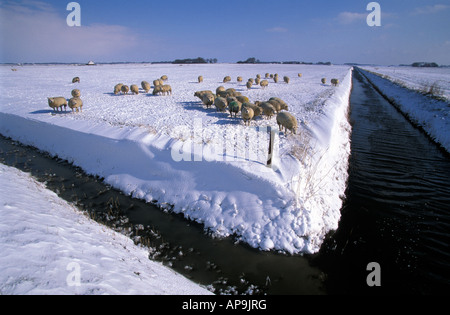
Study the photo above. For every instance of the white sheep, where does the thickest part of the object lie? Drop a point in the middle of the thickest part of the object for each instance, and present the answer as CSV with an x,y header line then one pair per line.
x,y
249,84
134,89
208,100
239,79
278,104
158,82
220,89
288,121
324,80
57,102
76,93
264,84
286,79
267,109
164,78
118,88
125,89
76,103
335,82
76,80
162,89
200,79
221,104
145,86
226,79
247,115
257,111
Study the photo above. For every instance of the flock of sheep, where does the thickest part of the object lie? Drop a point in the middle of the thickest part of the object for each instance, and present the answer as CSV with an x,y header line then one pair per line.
x,y
223,99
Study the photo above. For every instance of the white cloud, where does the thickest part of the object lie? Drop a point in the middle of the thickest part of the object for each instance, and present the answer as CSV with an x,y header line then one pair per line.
x,y
32,31
277,29
431,9
351,17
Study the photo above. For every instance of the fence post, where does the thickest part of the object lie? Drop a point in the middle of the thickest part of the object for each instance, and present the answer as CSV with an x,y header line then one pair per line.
x,y
271,146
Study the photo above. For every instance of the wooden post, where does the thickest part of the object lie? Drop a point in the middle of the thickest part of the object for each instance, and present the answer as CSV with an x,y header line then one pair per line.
x,y
271,145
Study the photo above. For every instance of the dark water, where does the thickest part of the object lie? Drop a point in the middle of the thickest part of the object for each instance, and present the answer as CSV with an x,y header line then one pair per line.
x,y
222,264
397,214
397,211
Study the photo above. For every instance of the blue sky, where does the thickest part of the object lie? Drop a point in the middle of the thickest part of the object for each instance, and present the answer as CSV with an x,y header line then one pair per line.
x,y
232,30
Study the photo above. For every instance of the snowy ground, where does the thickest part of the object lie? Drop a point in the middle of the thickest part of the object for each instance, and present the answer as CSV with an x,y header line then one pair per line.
x,y
415,78
208,166
49,247
433,115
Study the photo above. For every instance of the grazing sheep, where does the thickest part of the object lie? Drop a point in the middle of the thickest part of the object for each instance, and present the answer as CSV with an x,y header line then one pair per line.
x,y
257,81
258,76
231,99
221,104
275,78
251,80
267,75
125,89
282,104
247,115
208,100
158,82
286,79
164,78
226,79
249,85
162,89
300,75
288,121
57,102
267,109
76,104
264,83
234,107
239,79
257,111
76,80
324,80
335,82
242,99
118,88
76,93
200,79
145,86
134,89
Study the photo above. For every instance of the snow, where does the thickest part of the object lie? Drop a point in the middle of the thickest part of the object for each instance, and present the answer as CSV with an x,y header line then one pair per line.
x,y
208,166
432,115
49,247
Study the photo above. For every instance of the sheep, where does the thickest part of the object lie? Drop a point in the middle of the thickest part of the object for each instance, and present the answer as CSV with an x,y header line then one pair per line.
x,y
76,103
324,80
231,99
264,83
220,89
125,89
288,121
200,79
249,85
267,109
57,102
76,93
208,100
242,99
282,103
134,89
220,103
118,88
257,111
76,80
258,76
251,80
200,94
300,75
162,89
286,79
335,82
234,107
247,115
226,79
267,75
257,81
157,82
275,78
239,79
145,86
164,78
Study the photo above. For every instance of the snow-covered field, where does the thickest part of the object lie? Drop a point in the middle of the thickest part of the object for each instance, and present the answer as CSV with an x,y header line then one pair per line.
x,y
416,78
208,166
49,247
433,115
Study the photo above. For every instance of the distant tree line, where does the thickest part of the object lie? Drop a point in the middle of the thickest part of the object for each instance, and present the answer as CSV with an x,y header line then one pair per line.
x,y
198,60
253,60
425,64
